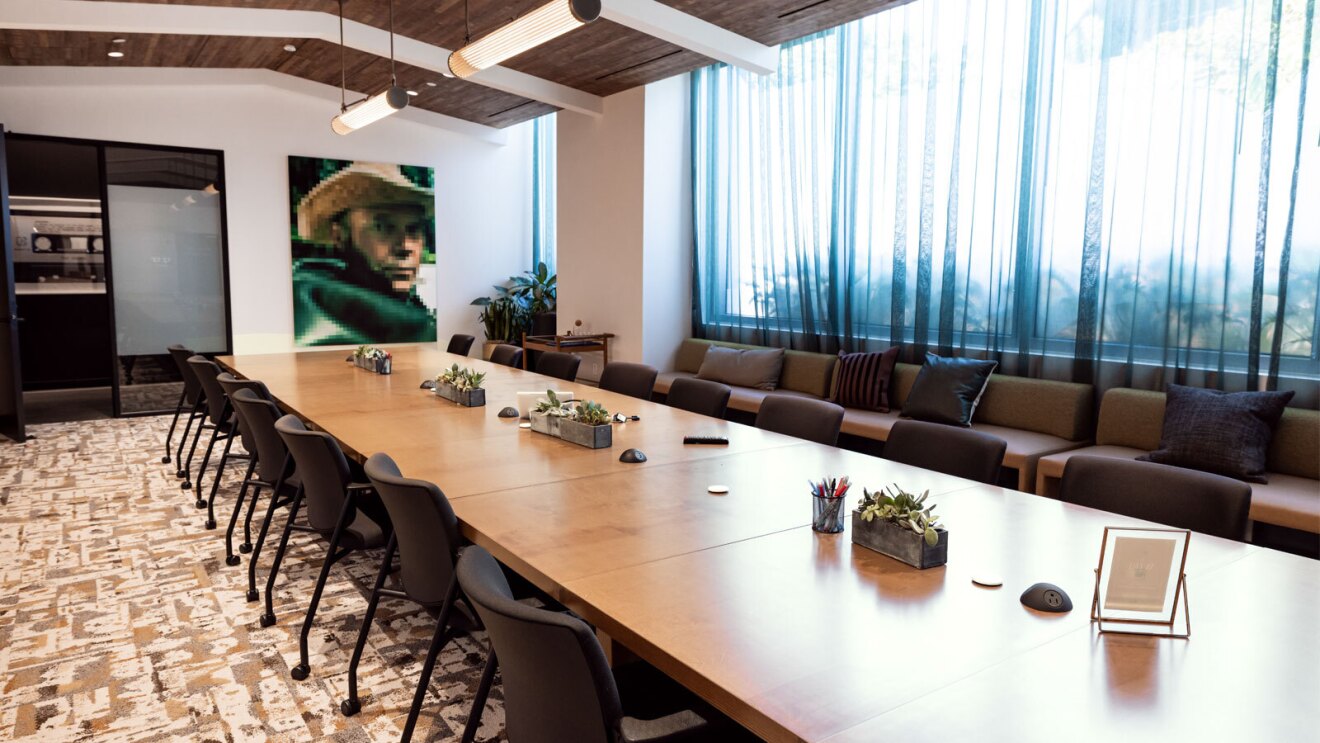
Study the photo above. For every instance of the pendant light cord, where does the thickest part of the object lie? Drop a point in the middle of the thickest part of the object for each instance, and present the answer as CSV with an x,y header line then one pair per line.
x,y
393,80
467,25
343,76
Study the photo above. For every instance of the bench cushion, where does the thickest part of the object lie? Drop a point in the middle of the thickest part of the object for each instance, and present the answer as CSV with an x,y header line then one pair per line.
x,y
1060,409
749,400
811,373
1295,449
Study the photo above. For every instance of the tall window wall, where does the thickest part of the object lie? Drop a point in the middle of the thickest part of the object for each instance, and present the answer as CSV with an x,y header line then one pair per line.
x,y
1080,188
543,191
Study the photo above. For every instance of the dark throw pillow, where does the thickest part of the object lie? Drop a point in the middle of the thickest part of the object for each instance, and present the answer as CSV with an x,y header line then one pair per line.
x,y
947,390
1227,433
864,379
757,368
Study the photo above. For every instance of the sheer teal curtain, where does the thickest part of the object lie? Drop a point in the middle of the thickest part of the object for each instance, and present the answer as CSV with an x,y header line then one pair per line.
x,y
543,191
1107,191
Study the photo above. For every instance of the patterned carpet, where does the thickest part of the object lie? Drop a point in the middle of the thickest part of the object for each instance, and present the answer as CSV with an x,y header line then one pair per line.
x,y
119,620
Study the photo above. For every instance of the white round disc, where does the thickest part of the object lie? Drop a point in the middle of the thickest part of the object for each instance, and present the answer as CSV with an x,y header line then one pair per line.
x,y
989,581
524,425
718,489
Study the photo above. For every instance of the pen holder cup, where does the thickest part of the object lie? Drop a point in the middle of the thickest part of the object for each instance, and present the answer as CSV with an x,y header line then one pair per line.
x,y
827,514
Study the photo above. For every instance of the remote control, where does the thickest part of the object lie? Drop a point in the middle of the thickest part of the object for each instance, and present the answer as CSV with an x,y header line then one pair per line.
x,y
716,440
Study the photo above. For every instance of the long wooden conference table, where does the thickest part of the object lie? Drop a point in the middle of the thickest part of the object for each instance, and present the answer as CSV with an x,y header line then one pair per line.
x,y
803,636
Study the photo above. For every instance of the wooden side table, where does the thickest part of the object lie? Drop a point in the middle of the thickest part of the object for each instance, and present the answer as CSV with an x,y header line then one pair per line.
x,y
567,344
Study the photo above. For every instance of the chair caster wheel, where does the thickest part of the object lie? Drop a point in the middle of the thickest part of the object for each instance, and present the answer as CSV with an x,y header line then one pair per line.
x,y
232,560
253,596
268,620
179,474
245,548
186,486
199,503
164,460
210,524
300,672
350,707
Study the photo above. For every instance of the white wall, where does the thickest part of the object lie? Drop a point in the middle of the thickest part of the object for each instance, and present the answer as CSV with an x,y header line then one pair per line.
x,y
483,230
667,222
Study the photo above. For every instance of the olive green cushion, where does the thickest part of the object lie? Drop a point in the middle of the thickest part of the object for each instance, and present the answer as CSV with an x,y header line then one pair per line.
x,y
1060,409
1295,449
811,373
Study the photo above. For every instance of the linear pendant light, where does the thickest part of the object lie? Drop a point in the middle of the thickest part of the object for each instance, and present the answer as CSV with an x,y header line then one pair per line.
x,y
375,108
551,20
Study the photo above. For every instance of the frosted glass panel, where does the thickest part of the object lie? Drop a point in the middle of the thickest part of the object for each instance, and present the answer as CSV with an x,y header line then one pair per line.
x,y
168,271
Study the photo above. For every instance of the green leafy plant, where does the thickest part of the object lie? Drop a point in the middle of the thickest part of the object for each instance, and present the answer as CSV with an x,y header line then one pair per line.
x,y
592,414
553,406
535,290
360,351
461,378
897,506
508,314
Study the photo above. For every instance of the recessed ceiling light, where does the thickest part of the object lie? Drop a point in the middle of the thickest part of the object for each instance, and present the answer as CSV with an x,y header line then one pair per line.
x,y
290,48
430,84
412,92
118,41
115,55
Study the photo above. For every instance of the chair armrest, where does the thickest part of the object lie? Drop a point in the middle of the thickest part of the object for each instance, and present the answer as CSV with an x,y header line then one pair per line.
x,y
360,487
668,729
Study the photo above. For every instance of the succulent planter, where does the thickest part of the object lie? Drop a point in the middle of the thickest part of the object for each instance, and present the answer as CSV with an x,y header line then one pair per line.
x,y
899,543
592,437
467,398
379,366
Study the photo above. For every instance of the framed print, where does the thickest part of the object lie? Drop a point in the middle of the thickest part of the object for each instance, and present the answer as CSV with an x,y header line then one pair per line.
x,y
1141,579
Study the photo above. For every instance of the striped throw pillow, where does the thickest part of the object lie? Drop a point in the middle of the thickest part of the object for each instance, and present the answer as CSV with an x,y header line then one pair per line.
x,y
864,379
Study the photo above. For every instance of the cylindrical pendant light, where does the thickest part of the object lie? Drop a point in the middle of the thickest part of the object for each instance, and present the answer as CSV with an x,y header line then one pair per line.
x,y
553,19
371,110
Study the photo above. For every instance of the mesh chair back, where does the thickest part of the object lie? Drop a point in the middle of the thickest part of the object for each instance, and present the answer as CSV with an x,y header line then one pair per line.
x,y
506,355
259,416
700,396
1186,499
954,451
323,471
813,420
192,389
558,365
633,380
206,371
231,384
425,527
460,344
557,684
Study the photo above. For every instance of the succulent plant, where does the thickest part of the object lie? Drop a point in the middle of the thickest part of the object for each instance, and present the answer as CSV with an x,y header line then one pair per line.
x,y
553,406
462,379
900,507
592,414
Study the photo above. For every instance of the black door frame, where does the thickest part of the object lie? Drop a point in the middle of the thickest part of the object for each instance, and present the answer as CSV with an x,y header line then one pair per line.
x,y
12,425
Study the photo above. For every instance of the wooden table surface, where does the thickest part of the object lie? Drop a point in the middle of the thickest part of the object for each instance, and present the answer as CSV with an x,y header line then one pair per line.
x,y
798,635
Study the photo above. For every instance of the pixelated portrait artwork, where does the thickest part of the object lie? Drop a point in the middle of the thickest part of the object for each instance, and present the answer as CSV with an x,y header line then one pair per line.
x,y
363,239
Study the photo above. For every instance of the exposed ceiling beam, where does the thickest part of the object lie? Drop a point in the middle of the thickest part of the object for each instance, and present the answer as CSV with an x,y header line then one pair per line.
x,y
681,29
49,77
117,17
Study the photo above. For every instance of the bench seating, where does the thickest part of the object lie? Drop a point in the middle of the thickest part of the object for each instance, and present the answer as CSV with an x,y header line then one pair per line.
x,y
1036,417
1130,425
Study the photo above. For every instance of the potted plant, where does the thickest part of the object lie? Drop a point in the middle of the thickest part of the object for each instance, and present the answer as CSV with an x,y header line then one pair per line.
x,y
462,386
537,291
525,305
548,413
589,426
372,359
900,524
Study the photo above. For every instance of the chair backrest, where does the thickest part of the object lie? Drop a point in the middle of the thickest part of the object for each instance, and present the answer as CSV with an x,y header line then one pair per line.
x,y
813,420
506,355
460,344
231,384
259,416
633,380
558,365
557,683
192,389
1179,497
206,371
322,469
700,396
425,527
954,451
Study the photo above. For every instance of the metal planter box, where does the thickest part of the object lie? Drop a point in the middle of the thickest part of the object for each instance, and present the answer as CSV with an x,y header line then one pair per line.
x,y
466,398
901,544
379,366
592,437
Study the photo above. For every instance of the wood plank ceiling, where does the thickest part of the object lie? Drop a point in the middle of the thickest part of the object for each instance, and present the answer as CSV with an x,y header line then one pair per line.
x,y
601,58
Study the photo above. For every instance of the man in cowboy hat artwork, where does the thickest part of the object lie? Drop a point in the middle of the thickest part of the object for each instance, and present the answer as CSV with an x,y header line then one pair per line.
x,y
367,226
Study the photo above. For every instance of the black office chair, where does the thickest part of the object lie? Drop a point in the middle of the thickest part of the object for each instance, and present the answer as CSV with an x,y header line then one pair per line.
x,y
274,473
219,420
954,451
1182,498
813,420
460,344
229,384
557,684
633,380
558,365
700,396
426,537
347,513
190,400
507,355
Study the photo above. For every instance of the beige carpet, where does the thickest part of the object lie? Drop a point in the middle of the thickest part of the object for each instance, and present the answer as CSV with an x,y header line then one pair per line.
x,y
120,622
